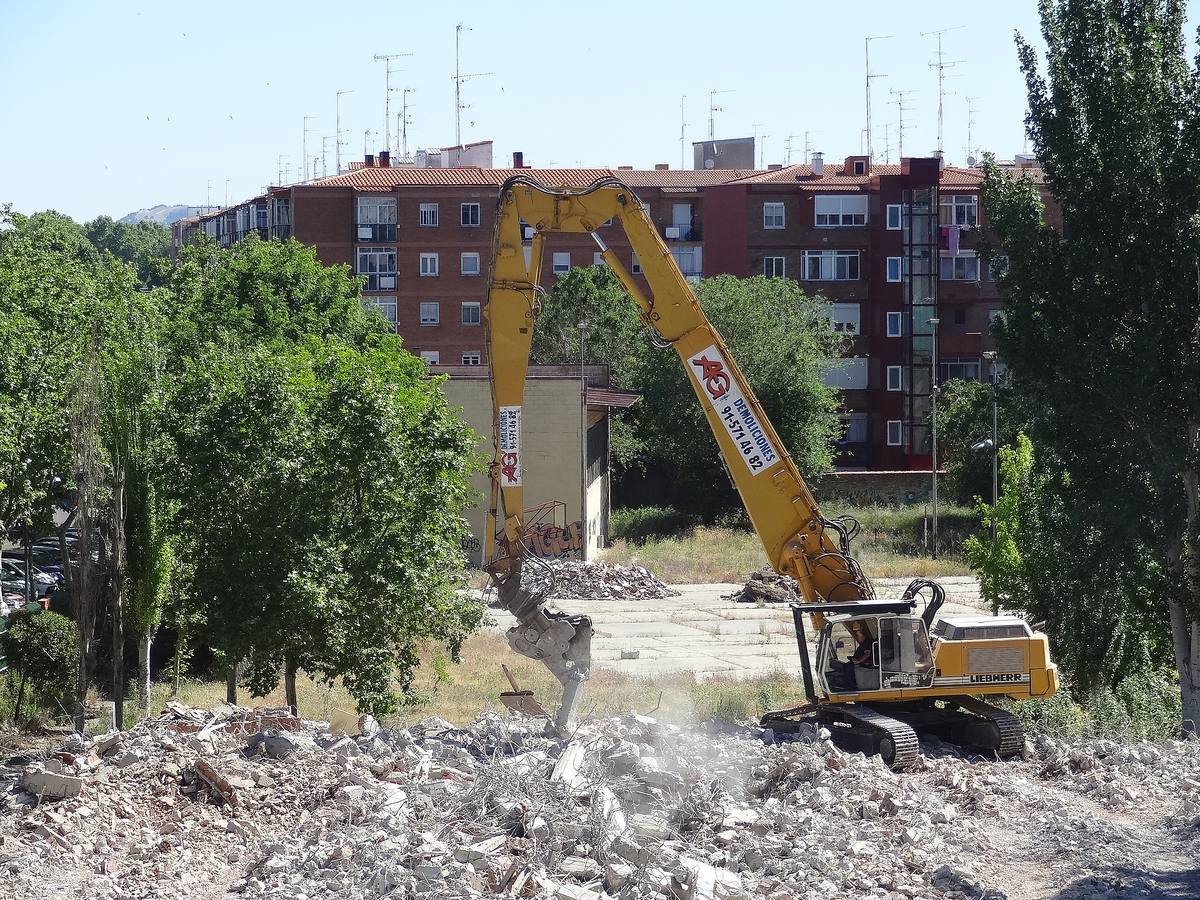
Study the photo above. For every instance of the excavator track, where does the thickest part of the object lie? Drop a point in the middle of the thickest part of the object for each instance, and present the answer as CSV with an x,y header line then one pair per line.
x,y
854,727
1008,726
965,722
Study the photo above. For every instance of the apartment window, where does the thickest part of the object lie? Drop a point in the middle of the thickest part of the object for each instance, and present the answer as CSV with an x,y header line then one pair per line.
x,y
433,357
895,324
962,368
897,216
964,267
431,312
688,259
773,266
469,264
378,265
429,264
895,433
836,211
283,212
562,263
472,358
896,268
772,215
385,306
855,425
895,378
470,313
598,259
958,209
429,214
831,265
376,218
847,374
469,214
637,266
844,317
860,167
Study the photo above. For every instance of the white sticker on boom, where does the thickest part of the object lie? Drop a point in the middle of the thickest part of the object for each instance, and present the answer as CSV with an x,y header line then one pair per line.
x,y
510,446
711,372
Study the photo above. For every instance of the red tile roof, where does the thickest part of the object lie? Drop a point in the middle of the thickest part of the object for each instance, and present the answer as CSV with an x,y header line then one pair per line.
x,y
385,178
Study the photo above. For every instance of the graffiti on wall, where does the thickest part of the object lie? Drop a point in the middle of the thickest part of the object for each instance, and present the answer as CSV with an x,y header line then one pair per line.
x,y
549,541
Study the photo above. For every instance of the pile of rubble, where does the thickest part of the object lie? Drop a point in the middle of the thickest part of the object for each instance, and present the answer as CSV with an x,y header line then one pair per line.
x,y
201,804
767,586
574,579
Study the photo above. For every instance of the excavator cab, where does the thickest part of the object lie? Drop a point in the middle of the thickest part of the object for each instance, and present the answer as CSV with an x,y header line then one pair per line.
x,y
860,654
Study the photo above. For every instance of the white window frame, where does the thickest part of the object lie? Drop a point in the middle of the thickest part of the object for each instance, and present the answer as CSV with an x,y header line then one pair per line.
x,y
462,264
897,270
474,305
428,216
775,266
896,214
376,260
895,324
429,265
899,440
472,358
635,267
774,215
855,217
560,258
854,421
598,259
963,257
958,209
376,210
385,306
842,322
689,260
829,264
463,215
860,167
427,307
432,357
894,378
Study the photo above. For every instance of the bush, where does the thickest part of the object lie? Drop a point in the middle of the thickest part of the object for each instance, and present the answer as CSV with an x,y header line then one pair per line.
x,y
42,650
1145,706
640,524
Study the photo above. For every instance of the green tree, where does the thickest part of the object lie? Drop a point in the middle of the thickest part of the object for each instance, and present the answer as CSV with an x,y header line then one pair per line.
x,y
40,650
1101,318
965,418
780,337
146,246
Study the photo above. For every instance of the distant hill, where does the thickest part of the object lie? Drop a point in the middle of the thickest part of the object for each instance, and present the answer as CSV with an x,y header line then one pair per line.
x,y
163,214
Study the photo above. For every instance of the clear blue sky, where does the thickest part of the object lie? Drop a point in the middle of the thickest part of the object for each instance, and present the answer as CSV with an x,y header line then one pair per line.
x,y
109,107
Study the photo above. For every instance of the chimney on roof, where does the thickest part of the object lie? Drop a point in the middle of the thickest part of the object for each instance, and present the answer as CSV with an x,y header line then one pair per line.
x,y
518,159
369,160
662,167
818,164
624,168
385,159
941,158
771,167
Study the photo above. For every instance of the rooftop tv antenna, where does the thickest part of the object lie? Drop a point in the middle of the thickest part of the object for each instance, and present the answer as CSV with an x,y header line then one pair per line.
x,y
808,145
970,129
901,99
337,128
941,65
367,141
279,173
459,80
869,76
788,147
387,95
304,147
403,121
713,109
682,132
325,153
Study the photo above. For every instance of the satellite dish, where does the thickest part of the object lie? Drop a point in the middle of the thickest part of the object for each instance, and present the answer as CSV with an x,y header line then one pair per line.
x,y
710,163
972,161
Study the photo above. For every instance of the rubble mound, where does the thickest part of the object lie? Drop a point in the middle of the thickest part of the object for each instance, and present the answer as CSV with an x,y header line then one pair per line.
x,y
577,580
767,586
241,803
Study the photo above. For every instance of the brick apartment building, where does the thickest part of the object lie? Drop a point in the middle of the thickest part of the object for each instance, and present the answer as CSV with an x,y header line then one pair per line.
x,y
890,246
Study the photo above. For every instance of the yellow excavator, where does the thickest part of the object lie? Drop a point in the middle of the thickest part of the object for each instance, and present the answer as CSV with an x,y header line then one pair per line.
x,y
881,671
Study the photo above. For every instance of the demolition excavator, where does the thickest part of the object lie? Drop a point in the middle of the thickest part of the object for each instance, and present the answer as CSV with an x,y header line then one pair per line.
x,y
881,671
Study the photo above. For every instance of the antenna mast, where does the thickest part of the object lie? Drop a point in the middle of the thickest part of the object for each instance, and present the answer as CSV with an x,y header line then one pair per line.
x,y
304,146
900,101
458,83
970,126
337,128
682,133
402,124
869,76
808,146
941,65
713,109
325,153
788,147
387,94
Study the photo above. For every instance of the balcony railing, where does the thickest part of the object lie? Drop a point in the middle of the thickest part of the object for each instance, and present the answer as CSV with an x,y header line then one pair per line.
x,y
681,233
375,233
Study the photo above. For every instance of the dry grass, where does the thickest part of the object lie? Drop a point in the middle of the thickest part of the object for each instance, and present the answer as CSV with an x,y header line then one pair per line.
x,y
458,692
706,555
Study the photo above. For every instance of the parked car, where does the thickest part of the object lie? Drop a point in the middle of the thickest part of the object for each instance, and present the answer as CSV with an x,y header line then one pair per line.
x,y
41,582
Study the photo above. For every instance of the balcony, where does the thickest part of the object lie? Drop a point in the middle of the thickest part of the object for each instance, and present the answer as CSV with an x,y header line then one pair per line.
x,y
375,233
681,233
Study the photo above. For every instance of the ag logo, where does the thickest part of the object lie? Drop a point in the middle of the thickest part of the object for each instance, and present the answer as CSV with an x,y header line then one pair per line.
x,y
714,376
508,467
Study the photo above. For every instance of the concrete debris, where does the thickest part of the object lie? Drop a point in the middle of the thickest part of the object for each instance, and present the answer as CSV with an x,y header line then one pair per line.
x,y
767,586
629,808
574,579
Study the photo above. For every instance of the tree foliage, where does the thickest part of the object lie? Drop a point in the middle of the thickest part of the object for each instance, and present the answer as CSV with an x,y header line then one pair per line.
x,y
40,649
1101,320
780,338
145,246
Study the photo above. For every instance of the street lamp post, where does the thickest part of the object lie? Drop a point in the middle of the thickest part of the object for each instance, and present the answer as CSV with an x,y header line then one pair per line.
x,y
990,356
583,327
933,392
